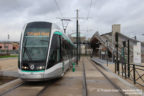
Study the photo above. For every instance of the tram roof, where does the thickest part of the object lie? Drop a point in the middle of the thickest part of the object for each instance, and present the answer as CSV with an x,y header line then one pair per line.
x,y
64,36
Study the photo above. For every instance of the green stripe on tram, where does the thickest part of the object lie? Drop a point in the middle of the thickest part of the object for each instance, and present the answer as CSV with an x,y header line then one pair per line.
x,y
32,71
58,33
61,34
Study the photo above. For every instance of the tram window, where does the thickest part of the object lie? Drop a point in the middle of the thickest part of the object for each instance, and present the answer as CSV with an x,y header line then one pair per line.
x,y
54,56
63,49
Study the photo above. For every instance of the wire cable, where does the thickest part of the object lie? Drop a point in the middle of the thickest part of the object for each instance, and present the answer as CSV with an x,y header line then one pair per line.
x,y
89,10
58,8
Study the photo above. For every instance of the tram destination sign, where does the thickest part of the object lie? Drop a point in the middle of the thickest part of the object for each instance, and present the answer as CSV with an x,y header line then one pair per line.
x,y
38,34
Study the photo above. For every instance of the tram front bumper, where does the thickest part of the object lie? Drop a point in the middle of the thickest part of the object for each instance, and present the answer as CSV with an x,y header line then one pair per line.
x,y
32,76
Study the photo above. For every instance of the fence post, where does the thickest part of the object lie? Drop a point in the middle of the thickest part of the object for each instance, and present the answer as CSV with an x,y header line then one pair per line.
x,y
128,59
117,57
122,68
118,63
134,79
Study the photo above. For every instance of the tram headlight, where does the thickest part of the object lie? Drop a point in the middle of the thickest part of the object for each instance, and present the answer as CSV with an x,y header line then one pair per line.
x,y
24,67
40,67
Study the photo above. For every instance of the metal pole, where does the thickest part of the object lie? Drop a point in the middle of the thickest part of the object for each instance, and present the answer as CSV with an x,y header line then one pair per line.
x,y
134,79
113,45
79,40
118,67
64,30
115,66
135,37
128,59
122,64
107,52
124,61
117,61
77,36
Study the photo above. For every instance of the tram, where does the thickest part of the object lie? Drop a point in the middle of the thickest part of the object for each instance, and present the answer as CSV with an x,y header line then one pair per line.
x,y
45,52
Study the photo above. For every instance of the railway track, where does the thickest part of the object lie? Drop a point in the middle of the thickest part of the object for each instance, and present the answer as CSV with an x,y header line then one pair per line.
x,y
40,93
69,84
85,92
108,79
44,88
12,88
27,85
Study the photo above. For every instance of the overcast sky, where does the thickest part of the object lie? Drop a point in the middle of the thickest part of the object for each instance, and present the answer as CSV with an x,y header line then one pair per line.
x,y
103,13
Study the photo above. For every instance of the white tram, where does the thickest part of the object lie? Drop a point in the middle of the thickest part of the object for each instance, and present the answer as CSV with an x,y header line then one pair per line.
x,y
45,52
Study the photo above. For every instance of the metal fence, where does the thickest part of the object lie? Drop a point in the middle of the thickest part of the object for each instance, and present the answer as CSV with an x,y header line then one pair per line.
x,y
129,71
137,74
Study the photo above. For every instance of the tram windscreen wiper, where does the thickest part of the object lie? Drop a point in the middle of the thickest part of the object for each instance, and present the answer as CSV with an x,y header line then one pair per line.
x,y
26,50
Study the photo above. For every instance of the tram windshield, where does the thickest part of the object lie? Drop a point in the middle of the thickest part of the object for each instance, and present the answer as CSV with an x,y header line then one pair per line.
x,y
35,43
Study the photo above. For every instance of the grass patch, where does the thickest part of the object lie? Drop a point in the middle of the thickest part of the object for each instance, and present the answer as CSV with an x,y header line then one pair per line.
x,y
8,56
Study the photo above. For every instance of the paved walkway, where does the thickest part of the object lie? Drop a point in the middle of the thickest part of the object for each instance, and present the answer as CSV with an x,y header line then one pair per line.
x,y
97,83
71,83
8,67
8,64
122,83
103,61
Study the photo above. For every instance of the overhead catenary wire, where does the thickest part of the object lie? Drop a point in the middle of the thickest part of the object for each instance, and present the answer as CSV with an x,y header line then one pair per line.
x,y
89,10
88,15
62,18
57,5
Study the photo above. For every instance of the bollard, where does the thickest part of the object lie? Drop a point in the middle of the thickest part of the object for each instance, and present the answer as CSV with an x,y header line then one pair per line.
x,y
73,69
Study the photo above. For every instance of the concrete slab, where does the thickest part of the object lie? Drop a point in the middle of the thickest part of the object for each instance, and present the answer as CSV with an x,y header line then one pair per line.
x,y
9,64
71,83
123,84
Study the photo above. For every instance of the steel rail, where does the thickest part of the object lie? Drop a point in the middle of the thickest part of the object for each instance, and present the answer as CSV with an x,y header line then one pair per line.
x,y
11,89
49,83
113,84
42,91
85,92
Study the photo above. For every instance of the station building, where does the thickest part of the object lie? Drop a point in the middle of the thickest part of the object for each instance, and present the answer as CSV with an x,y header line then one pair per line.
x,y
105,44
85,49
10,46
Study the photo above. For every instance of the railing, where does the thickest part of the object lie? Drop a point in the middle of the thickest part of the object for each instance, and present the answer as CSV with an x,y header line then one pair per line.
x,y
137,74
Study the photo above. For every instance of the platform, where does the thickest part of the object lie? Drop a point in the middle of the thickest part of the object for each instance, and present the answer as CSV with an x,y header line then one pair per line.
x,y
100,82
